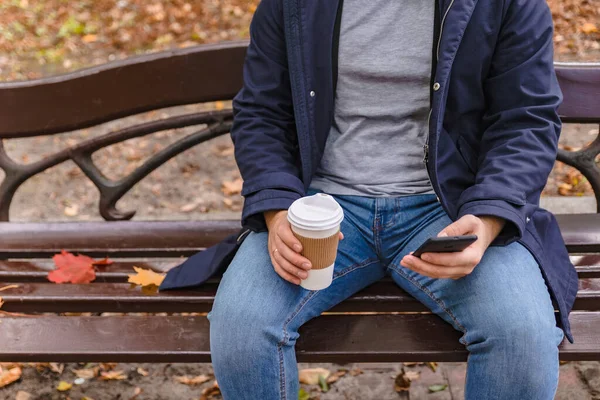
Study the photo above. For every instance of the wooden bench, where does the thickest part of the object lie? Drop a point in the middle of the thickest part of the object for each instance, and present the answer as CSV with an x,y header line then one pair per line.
x,y
43,321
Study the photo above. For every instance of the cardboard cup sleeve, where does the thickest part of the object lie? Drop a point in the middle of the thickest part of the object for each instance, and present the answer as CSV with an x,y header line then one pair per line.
x,y
321,252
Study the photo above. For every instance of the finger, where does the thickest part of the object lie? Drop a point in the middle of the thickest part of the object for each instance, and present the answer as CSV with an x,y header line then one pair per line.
x,y
286,275
468,257
289,267
291,256
434,271
341,236
287,236
462,226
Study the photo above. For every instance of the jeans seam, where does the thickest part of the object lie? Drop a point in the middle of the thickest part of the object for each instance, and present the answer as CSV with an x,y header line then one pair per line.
x,y
432,297
376,222
356,266
395,211
282,393
293,315
285,340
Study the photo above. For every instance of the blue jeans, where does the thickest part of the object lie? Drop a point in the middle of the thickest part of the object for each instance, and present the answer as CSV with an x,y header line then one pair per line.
x,y
503,308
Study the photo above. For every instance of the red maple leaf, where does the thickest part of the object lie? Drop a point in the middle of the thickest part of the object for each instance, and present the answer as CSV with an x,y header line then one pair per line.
x,y
72,268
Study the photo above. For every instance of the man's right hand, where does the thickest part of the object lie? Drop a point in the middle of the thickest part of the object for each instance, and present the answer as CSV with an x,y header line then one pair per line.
x,y
285,249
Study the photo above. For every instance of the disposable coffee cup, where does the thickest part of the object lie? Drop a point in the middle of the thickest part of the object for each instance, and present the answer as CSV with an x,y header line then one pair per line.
x,y
315,222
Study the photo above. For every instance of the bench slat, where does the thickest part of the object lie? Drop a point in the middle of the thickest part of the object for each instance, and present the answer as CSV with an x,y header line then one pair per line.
x,y
383,296
37,270
183,238
329,338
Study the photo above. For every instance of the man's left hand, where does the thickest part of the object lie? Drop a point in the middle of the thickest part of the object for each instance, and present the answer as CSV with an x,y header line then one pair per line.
x,y
459,264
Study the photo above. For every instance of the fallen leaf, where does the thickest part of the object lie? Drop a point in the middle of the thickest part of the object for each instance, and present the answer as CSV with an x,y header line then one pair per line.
x,y
9,376
432,366
107,366
219,105
21,395
230,188
336,375
142,371
229,151
323,384
86,373
136,392
210,392
104,261
64,386
145,277
71,210
437,388
192,380
356,371
189,207
412,375
310,376
1,302
588,28
228,202
402,382
72,268
8,287
86,398
112,376
89,38
302,395
56,367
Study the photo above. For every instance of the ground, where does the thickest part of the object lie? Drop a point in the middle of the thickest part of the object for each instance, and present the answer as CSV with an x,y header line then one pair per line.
x,y
45,37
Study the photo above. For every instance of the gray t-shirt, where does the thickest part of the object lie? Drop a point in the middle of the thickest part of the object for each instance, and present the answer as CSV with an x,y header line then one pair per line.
x,y
375,146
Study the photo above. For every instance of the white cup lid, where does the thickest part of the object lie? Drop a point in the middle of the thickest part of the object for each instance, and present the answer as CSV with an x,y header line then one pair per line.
x,y
315,213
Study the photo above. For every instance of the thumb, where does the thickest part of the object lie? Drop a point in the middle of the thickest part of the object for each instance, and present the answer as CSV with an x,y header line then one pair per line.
x,y
460,227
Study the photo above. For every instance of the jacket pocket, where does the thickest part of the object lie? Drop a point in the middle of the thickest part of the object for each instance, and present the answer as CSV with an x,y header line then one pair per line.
x,y
467,154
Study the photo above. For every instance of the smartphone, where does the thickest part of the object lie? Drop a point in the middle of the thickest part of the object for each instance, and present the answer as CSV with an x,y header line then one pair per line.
x,y
447,244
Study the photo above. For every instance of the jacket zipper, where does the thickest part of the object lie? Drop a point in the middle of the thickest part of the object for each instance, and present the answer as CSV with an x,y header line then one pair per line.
x,y
439,41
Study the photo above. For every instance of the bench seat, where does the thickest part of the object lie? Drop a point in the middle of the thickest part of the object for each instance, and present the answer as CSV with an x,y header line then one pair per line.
x,y
381,323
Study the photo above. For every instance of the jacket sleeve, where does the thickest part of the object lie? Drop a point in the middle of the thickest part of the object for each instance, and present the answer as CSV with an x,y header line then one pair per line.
x,y
520,139
263,132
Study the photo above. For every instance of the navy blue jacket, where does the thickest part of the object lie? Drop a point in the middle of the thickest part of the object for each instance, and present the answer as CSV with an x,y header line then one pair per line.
x,y
493,129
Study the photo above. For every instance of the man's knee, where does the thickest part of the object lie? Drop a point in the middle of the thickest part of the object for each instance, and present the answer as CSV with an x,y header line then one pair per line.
x,y
524,329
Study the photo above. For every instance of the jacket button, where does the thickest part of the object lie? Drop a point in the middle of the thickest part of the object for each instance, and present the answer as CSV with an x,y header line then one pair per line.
x,y
312,93
436,86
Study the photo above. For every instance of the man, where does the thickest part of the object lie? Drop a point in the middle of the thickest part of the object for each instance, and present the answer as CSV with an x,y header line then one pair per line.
x,y
350,99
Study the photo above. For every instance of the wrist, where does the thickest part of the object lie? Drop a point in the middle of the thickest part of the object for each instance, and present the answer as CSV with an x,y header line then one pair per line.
x,y
272,216
493,225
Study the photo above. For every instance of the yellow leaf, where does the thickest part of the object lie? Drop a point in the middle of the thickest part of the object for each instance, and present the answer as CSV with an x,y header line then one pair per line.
x,y
192,380
1,302
113,376
232,187
64,386
588,28
219,105
142,371
310,376
9,376
432,366
145,277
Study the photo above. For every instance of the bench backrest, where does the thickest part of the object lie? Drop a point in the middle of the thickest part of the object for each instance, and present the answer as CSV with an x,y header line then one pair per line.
x,y
179,77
